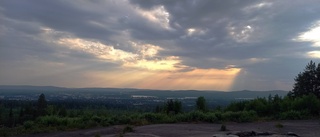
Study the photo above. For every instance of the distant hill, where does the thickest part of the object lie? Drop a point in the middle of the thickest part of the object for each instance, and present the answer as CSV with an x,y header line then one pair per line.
x,y
11,90
129,97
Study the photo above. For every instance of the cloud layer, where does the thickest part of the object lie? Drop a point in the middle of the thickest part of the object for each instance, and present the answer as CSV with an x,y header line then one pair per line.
x,y
181,44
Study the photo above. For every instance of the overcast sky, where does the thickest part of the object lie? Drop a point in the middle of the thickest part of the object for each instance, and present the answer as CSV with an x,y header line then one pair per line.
x,y
158,44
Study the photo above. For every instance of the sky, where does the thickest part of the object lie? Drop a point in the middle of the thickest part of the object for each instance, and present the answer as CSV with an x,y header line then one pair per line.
x,y
220,45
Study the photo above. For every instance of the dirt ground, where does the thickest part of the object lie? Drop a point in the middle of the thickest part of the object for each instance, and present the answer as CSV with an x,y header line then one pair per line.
x,y
303,128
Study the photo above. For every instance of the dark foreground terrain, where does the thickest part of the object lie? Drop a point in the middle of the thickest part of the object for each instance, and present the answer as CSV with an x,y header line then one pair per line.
x,y
303,128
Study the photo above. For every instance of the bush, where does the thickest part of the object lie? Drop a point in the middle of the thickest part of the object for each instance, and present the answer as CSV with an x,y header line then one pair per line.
x,y
48,121
211,117
196,116
28,124
248,116
153,117
279,125
218,116
91,124
291,115
127,129
96,119
182,117
223,128
240,116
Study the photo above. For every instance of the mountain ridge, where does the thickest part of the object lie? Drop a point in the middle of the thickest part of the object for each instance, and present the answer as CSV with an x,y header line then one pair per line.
x,y
30,87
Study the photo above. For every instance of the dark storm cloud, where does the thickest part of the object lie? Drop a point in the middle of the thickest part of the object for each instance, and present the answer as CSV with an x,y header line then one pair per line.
x,y
60,15
26,54
274,25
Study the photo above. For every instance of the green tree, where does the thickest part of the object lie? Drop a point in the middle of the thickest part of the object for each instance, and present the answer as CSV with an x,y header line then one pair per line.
x,y
307,82
169,106
157,109
11,118
1,111
177,107
21,115
62,111
309,103
201,104
174,107
42,105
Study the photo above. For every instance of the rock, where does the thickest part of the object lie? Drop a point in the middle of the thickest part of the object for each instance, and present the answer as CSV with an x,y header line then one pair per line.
x,y
255,134
223,135
246,134
264,134
292,134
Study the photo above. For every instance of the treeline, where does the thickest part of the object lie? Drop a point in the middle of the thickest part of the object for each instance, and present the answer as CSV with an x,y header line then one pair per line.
x,y
304,107
48,118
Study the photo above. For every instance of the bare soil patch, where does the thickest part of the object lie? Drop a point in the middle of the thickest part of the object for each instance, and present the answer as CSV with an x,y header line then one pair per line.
x,y
303,128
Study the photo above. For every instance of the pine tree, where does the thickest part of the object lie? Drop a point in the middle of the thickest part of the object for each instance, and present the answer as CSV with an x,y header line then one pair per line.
x,y
169,106
42,105
21,115
177,107
11,119
308,81
1,111
173,107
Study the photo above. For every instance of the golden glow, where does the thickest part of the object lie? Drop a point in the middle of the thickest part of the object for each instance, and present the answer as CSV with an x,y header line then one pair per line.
x,y
145,57
97,49
201,79
164,64
314,54
143,68
146,50
312,35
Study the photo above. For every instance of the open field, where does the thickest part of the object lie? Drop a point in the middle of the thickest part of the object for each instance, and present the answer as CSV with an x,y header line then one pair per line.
x,y
303,128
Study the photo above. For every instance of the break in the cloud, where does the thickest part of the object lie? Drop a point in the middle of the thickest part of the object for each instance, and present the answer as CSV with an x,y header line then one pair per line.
x,y
180,44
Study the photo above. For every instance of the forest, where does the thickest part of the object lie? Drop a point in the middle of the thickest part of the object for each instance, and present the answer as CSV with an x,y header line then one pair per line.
x,y
30,117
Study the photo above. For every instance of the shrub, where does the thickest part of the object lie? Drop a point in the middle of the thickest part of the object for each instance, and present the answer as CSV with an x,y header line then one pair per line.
x,y
218,115
28,124
127,129
231,116
197,116
123,119
211,117
48,120
248,116
91,124
223,128
279,125
152,117
240,116
182,117
291,115
105,122
96,118
97,135
139,122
